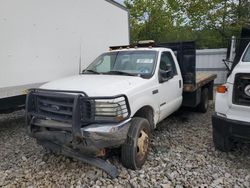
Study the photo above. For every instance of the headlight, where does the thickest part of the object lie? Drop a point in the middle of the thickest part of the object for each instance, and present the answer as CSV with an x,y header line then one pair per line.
x,y
247,90
107,109
111,110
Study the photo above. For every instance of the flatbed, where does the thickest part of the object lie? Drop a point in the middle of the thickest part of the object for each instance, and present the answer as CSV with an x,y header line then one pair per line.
x,y
202,79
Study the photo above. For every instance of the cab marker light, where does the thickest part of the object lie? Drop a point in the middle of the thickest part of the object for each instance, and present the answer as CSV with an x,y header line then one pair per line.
x,y
221,89
25,91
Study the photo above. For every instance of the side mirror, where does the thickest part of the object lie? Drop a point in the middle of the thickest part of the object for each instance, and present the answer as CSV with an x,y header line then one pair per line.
x,y
83,71
165,75
228,64
231,52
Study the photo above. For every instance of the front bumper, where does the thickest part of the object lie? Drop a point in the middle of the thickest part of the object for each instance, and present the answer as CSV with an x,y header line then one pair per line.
x,y
93,137
231,128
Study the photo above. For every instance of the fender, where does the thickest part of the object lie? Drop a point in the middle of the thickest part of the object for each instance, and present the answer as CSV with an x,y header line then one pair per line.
x,y
142,101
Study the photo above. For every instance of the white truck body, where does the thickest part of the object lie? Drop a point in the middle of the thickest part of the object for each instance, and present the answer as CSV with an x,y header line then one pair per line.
x,y
115,103
44,40
231,120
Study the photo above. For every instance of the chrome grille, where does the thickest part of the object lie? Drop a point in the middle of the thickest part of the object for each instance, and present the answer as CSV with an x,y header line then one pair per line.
x,y
57,108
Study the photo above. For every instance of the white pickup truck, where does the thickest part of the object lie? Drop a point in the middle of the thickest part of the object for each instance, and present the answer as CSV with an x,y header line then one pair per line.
x,y
231,121
117,101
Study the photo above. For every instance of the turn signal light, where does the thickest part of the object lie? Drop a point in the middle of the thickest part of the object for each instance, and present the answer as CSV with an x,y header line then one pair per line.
x,y
221,89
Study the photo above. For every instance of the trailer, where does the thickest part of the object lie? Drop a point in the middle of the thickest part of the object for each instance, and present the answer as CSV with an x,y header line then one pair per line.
x,y
48,39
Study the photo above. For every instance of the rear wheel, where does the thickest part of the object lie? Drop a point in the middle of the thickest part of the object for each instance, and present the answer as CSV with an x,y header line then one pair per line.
x,y
135,150
204,104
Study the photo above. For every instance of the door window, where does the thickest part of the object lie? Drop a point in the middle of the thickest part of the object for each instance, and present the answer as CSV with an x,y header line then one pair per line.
x,y
167,60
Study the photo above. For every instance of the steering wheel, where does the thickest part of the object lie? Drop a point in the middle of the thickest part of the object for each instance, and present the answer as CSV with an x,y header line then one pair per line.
x,y
144,70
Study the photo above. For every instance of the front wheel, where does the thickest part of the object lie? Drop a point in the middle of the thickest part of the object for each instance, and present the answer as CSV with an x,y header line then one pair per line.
x,y
135,150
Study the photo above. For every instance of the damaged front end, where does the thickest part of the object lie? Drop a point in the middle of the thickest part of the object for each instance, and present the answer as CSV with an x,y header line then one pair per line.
x,y
78,126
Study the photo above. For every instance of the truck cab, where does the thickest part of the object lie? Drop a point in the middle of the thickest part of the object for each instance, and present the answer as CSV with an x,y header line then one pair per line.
x,y
142,74
231,121
116,102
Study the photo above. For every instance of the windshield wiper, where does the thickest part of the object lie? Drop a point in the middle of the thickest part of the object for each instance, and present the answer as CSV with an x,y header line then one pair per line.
x,y
92,71
120,73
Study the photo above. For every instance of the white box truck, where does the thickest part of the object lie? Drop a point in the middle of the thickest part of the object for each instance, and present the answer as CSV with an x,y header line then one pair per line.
x,y
43,40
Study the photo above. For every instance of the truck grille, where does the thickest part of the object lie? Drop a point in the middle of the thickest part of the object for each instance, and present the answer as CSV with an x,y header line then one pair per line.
x,y
242,80
60,107
56,108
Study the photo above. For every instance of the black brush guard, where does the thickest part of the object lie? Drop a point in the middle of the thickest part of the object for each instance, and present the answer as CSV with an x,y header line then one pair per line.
x,y
70,108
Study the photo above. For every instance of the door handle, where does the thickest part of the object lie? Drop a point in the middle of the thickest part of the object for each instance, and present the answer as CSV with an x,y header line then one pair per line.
x,y
155,91
179,83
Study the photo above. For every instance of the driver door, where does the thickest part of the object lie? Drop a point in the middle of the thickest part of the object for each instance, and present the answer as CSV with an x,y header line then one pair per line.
x,y
170,90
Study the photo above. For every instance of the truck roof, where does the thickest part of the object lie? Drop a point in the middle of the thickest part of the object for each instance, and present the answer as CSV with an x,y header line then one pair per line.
x,y
143,49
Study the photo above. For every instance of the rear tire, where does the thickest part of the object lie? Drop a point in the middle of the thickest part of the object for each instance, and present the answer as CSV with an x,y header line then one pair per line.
x,y
222,142
135,150
204,104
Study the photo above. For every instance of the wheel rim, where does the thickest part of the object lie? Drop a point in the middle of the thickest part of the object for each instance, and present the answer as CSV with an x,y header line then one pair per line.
x,y
142,144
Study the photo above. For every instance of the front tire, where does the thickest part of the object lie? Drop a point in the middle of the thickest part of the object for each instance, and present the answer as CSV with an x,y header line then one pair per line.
x,y
135,150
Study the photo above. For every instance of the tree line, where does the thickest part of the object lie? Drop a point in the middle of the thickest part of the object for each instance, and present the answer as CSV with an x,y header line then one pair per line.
x,y
211,23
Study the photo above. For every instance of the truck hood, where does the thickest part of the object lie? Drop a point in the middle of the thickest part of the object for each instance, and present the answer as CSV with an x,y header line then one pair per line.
x,y
242,67
97,85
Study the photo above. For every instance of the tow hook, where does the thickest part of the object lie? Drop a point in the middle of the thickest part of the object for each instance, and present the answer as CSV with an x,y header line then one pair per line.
x,y
101,153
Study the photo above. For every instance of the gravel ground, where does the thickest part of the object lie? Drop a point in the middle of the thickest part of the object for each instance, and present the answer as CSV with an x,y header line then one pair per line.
x,y
182,155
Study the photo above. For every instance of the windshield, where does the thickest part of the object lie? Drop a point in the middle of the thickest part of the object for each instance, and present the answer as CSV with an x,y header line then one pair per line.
x,y
131,63
246,57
